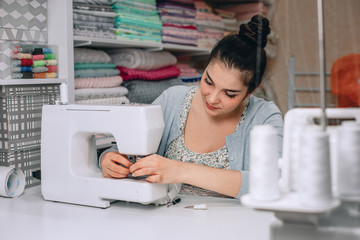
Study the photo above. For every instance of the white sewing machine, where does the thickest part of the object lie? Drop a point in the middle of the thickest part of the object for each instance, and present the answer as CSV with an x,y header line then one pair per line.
x,y
69,165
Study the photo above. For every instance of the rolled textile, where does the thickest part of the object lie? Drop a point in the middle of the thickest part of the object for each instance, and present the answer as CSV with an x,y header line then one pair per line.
x,y
89,93
141,59
158,74
101,82
142,91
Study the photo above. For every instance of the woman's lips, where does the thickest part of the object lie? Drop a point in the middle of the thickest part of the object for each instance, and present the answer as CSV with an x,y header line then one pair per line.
x,y
210,107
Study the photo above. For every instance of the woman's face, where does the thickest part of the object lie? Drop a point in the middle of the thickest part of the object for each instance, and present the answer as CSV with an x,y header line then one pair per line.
x,y
222,90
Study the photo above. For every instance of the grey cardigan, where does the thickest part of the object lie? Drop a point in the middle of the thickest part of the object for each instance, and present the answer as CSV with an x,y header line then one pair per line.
x,y
259,112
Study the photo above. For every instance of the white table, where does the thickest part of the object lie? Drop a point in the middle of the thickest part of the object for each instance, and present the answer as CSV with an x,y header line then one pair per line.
x,y
31,217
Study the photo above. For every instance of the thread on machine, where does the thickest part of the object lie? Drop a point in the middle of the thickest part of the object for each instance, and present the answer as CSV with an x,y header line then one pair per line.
x,y
315,169
264,172
348,164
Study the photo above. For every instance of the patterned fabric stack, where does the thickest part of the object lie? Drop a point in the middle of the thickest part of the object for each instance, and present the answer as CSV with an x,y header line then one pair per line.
x,y
137,20
210,26
178,20
146,74
97,81
93,18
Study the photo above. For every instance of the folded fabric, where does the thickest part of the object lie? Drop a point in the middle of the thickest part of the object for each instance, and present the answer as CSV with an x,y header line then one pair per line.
x,y
93,65
105,101
84,55
147,91
141,59
101,82
88,93
86,73
158,74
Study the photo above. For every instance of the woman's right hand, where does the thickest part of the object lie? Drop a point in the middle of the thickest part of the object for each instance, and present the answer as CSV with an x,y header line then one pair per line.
x,y
115,165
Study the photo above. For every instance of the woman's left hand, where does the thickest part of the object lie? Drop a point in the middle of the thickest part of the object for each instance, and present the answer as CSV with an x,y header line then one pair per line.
x,y
159,169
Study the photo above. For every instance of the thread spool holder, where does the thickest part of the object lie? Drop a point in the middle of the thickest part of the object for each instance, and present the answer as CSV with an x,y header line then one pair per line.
x,y
287,208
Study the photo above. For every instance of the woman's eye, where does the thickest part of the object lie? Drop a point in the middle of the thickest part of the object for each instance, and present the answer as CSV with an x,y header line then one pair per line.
x,y
230,95
207,81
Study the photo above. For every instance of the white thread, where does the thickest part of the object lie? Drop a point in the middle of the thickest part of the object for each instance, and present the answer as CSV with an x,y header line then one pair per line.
x,y
348,165
264,173
314,169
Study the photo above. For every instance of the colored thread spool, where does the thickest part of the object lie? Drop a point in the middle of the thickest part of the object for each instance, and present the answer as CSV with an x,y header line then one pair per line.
x,y
26,62
37,57
22,56
348,167
16,49
49,56
26,49
40,75
16,63
27,75
39,63
25,69
315,174
47,50
52,68
264,174
39,69
37,51
51,75
51,62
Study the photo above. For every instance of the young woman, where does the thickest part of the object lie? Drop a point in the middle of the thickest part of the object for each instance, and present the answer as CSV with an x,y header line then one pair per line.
x,y
205,144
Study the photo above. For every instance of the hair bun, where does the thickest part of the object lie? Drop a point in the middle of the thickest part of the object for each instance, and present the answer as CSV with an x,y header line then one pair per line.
x,y
249,32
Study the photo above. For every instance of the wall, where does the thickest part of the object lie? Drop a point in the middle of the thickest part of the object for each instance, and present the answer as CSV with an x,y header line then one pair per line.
x,y
295,24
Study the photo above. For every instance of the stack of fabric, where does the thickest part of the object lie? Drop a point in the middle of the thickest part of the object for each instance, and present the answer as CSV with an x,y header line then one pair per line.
x,y
210,26
137,20
146,74
189,75
245,11
228,18
93,18
178,20
97,80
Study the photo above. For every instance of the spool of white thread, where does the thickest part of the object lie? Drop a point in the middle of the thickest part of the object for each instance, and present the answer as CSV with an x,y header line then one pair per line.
x,y
264,173
12,182
63,93
348,165
314,169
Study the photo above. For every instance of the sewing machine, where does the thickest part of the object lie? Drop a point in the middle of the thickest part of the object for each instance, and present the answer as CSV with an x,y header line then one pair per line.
x,y
69,165
338,220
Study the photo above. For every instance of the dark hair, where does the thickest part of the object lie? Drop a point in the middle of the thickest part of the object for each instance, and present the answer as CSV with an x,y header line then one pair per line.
x,y
245,50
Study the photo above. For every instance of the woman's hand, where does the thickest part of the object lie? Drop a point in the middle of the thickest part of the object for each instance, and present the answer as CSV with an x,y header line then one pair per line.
x,y
159,169
115,165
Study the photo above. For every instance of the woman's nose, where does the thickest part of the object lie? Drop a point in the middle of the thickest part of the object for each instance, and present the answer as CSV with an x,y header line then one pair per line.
x,y
213,97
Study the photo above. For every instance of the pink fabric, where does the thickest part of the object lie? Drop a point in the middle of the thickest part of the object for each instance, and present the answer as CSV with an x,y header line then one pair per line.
x,y
158,74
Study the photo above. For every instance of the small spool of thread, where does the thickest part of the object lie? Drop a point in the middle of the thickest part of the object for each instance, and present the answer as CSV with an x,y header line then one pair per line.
x,y
49,56
63,93
51,62
26,62
39,69
37,57
264,172
314,169
51,75
40,63
348,155
52,68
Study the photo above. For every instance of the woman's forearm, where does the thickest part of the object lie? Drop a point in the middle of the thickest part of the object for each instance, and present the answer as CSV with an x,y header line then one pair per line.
x,y
224,181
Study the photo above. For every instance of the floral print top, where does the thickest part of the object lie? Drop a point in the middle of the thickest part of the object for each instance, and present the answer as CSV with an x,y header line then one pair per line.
x,y
177,150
